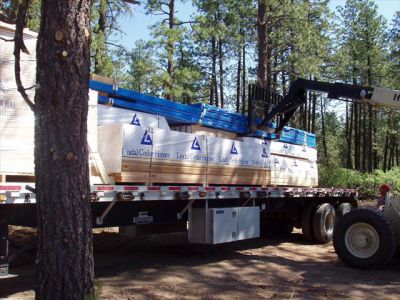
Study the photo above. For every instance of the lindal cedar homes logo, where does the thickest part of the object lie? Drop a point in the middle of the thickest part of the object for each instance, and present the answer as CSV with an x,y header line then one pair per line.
x,y
195,144
264,153
146,139
135,120
233,149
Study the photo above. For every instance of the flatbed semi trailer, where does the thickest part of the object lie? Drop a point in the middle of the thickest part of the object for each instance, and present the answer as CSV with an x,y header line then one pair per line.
x,y
157,209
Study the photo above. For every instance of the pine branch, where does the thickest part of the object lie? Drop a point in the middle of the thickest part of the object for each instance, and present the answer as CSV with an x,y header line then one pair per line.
x,y
19,46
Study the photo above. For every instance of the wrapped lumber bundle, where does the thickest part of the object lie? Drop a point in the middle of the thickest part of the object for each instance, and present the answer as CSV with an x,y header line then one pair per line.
x,y
111,115
155,156
16,118
111,95
202,130
291,165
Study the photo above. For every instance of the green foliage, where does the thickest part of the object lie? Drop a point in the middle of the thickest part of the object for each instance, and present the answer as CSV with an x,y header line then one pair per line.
x,y
366,183
176,73
105,14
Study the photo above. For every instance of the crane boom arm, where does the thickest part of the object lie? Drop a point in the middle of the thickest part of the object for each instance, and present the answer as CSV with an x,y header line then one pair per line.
x,y
298,92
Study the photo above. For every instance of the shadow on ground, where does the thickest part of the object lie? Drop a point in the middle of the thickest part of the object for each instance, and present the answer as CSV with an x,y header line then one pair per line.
x,y
167,266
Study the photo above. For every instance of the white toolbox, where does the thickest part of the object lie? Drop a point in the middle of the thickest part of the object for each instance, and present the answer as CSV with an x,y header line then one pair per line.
x,y
222,225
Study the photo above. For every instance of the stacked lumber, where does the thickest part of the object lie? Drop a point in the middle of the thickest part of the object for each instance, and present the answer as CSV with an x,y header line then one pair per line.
x,y
172,172
111,95
202,130
206,115
16,118
291,165
157,156
111,115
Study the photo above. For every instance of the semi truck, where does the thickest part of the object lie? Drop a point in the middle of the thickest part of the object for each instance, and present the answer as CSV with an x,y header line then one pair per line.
x,y
213,213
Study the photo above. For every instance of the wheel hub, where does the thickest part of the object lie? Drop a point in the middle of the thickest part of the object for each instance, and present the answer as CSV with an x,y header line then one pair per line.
x,y
362,240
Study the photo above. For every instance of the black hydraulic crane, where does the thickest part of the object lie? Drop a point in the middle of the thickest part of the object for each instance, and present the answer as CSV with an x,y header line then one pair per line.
x,y
266,107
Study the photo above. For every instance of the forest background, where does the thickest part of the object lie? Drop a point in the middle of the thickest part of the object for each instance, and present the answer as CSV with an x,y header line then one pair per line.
x,y
214,53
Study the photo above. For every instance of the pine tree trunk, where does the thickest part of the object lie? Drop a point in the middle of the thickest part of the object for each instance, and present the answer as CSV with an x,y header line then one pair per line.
x,y
275,75
170,49
370,141
365,140
244,77
356,138
349,137
238,89
391,152
385,152
375,150
324,143
221,72
284,88
305,113
64,221
262,44
313,113
301,117
309,116
101,32
214,85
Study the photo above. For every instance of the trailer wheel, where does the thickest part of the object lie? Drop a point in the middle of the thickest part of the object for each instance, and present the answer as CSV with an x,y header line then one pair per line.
x,y
364,239
342,209
324,223
306,222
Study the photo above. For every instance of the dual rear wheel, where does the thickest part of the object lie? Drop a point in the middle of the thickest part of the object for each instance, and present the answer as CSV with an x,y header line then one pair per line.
x,y
318,222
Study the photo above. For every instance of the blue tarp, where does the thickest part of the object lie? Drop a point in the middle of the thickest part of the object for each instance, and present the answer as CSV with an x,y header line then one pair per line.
x,y
204,114
173,115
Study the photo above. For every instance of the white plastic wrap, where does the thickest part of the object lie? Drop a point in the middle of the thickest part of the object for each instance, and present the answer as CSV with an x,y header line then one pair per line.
x,y
16,118
161,144
285,149
292,171
111,115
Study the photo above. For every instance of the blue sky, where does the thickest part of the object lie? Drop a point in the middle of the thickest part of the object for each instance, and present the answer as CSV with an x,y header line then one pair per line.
x,y
137,26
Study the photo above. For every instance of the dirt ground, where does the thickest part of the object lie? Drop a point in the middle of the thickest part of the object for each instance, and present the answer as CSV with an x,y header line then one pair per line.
x,y
168,267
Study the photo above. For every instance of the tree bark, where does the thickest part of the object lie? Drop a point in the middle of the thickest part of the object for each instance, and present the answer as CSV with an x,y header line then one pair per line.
x,y
313,113
385,152
170,49
370,141
262,75
365,140
325,145
284,88
214,84
238,76
101,31
356,138
221,72
64,221
349,137
244,77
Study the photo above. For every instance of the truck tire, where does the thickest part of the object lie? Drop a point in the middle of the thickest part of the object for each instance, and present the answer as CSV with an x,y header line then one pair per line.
x,y
342,209
306,222
324,223
364,239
